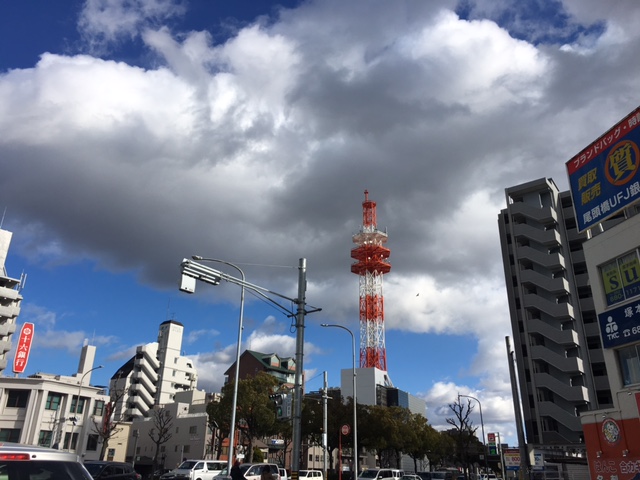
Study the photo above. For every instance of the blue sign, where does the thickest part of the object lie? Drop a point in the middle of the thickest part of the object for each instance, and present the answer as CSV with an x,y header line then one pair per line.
x,y
621,325
603,176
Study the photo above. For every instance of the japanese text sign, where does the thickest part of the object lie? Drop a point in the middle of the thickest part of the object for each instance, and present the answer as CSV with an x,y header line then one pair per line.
x,y
23,348
603,176
621,325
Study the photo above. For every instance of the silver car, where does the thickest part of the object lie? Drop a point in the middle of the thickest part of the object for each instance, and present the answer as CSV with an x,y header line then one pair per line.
x,y
18,462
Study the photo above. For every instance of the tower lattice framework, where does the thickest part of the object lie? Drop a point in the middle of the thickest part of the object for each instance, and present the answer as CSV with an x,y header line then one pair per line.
x,y
371,264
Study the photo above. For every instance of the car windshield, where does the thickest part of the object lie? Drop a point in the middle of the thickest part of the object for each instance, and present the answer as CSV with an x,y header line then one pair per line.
x,y
187,465
369,474
438,474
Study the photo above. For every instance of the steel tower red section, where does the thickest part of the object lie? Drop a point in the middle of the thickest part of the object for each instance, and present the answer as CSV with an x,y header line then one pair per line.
x,y
371,264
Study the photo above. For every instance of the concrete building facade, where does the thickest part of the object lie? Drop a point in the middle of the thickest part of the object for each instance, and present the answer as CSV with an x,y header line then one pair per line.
x,y
190,434
560,361
53,410
154,374
612,434
10,299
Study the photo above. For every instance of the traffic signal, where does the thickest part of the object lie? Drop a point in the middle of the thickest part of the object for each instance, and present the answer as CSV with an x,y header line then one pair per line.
x,y
278,400
282,401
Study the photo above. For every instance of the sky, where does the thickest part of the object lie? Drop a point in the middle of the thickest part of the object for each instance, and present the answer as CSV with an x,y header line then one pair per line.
x,y
137,133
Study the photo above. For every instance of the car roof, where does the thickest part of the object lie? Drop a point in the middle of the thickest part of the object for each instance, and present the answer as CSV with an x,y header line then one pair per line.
x,y
39,453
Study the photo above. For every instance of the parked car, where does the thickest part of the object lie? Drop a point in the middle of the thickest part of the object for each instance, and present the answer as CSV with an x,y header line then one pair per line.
x,y
284,475
100,470
253,470
380,473
158,473
310,475
27,461
410,476
196,470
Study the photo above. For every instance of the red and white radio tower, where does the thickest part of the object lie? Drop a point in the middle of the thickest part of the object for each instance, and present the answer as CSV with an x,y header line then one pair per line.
x,y
372,263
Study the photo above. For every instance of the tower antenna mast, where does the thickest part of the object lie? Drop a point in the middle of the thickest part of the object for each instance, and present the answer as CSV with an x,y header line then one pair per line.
x,y
371,264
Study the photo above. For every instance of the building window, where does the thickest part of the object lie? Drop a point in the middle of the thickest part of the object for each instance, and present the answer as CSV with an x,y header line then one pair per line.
x,y
98,408
92,443
10,435
621,278
53,401
44,438
629,361
77,407
17,398
193,429
70,441
186,449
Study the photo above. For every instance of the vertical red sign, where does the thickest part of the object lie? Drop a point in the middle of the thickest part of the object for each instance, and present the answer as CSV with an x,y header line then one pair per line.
x,y
23,348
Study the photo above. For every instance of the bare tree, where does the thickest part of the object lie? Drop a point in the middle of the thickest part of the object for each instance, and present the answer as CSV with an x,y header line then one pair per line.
x,y
109,426
161,431
463,431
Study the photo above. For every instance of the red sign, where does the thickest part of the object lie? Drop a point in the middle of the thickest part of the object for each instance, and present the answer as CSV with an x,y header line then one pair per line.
x,y
345,429
23,348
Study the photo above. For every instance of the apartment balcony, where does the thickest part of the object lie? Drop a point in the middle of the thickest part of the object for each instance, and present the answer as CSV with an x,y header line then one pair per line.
x,y
592,329
141,378
559,337
9,311
7,328
5,346
532,301
553,261
548,238
560,415
578,394
544,215
142,393
145,369
10,293
537,279
560,362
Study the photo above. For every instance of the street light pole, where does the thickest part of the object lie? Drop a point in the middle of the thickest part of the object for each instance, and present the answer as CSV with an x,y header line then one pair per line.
x,y
232,433
484,445
79,449
355,401
193,271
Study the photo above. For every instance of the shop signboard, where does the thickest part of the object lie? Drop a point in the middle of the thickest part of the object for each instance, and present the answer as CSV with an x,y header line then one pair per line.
x,y
603,176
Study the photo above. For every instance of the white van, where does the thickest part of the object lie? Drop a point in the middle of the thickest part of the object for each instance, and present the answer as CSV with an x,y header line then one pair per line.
x,y
310,475
380,474
196,470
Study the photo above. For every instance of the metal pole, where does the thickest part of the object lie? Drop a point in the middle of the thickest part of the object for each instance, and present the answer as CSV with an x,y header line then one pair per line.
x,y
484,445
79,449
524,458
297,416
232,432
325,444
355,401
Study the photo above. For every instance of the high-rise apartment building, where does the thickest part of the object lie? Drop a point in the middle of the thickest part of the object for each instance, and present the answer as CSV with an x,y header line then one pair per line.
x,y
560,361
10,299
154,374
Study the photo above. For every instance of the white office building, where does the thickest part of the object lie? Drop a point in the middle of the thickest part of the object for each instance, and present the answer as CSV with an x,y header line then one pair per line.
x,y
53,410
10,299
154,374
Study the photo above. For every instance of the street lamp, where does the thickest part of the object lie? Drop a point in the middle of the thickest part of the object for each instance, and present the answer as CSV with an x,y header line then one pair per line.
x,y
192,271
484,445
75,410
232,433
355,411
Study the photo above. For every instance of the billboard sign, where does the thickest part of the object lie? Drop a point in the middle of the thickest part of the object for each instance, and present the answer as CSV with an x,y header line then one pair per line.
x,y
23,348
512,459
620,325
603,176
